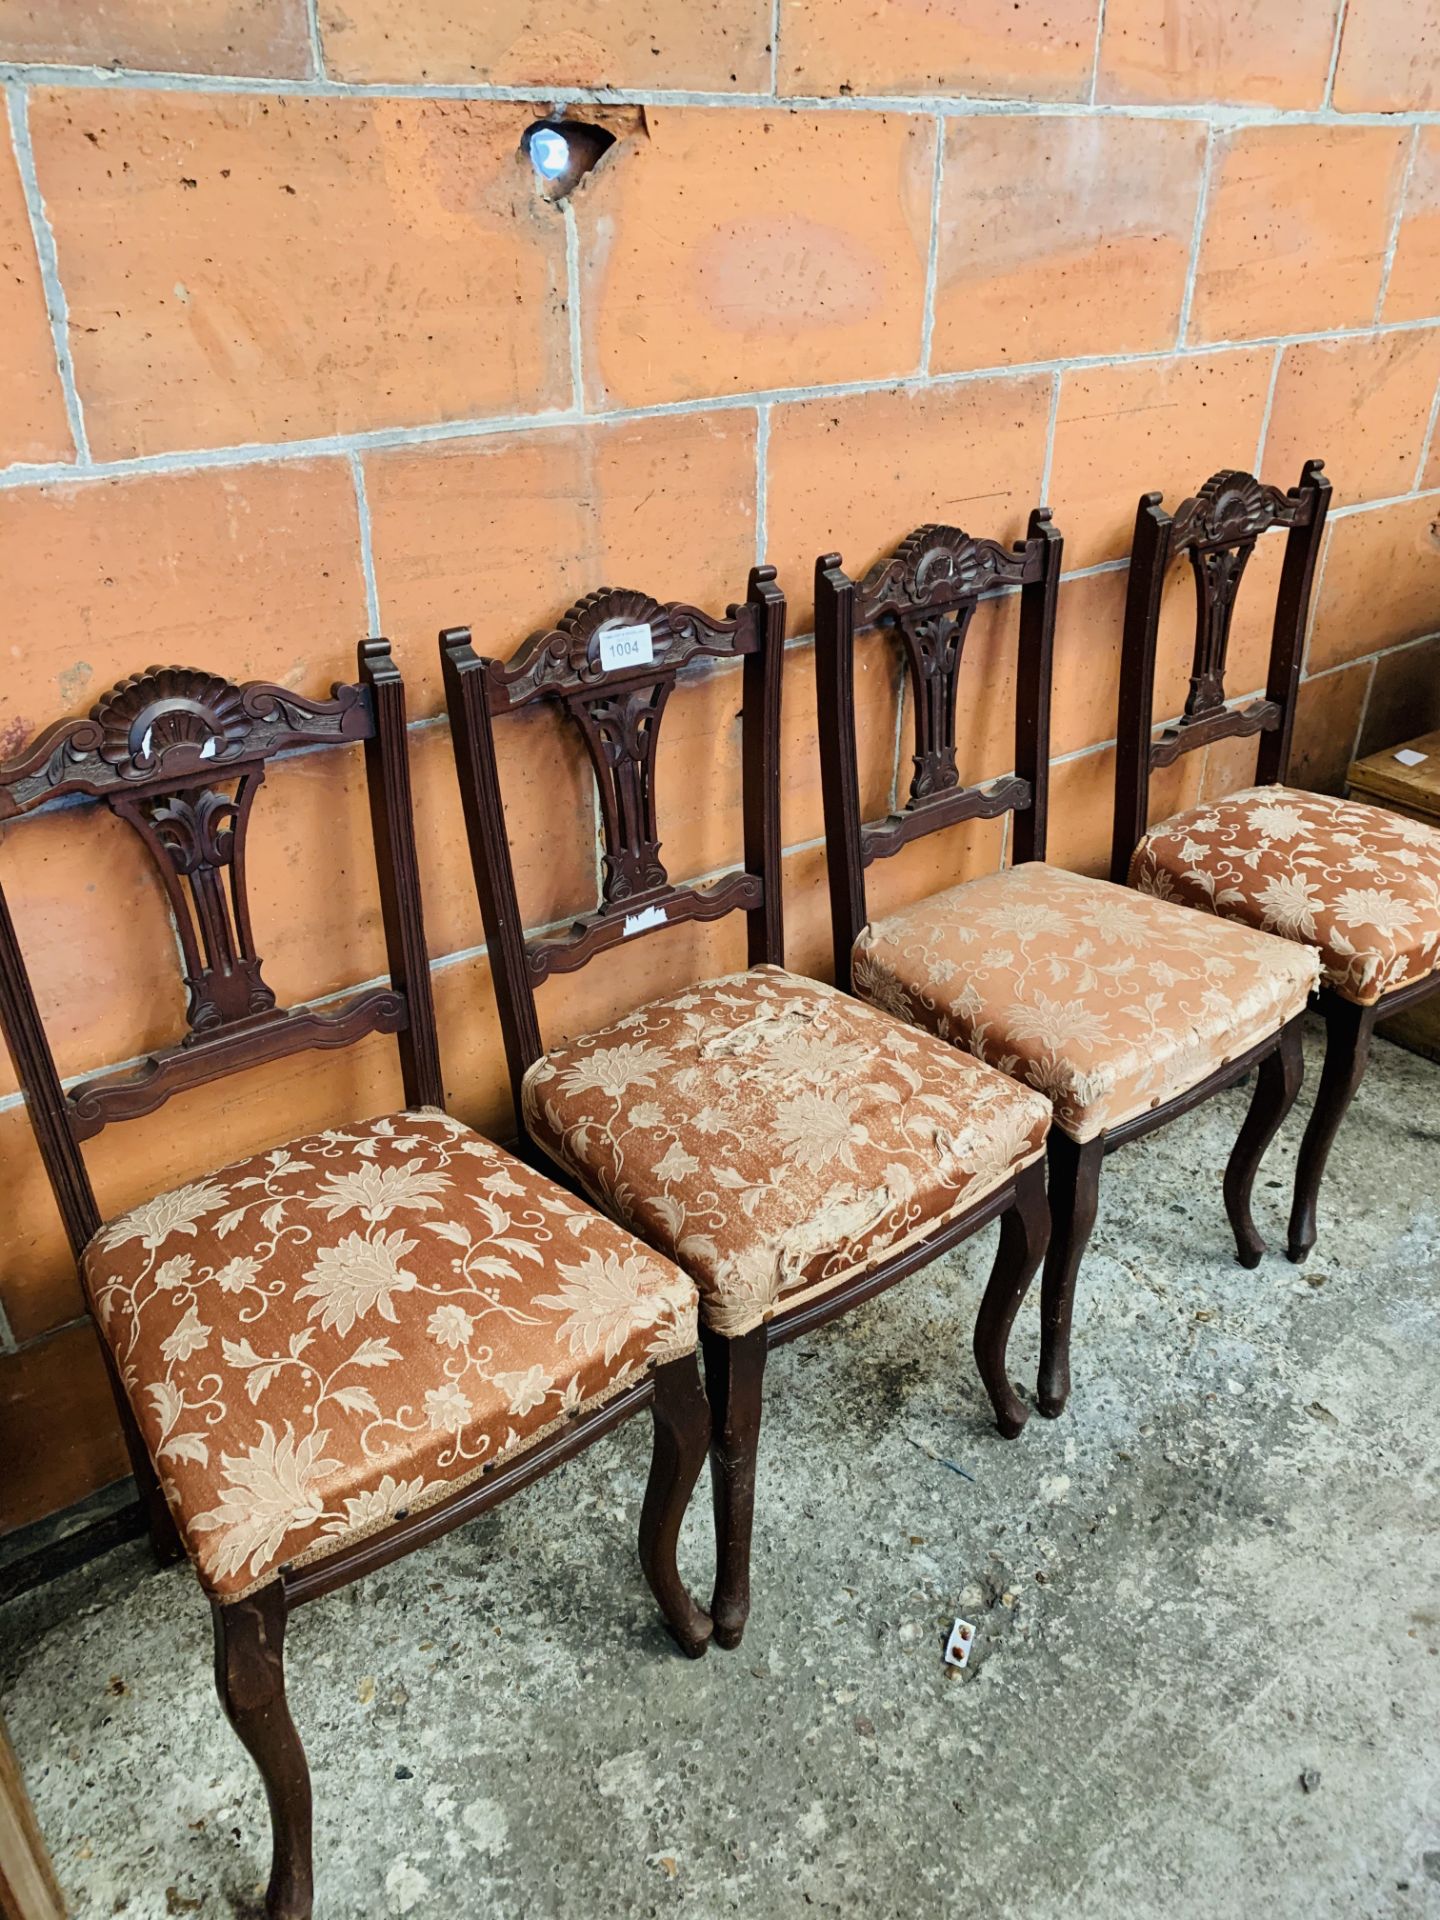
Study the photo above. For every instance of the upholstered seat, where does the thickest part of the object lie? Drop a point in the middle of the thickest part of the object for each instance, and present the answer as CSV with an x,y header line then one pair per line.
x,y
776,1137
1107,1001
322,1338
1357,882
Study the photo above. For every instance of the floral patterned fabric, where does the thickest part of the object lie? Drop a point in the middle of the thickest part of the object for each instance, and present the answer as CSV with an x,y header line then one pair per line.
x,y
775,1137
1108,1002
1358,882
322,1338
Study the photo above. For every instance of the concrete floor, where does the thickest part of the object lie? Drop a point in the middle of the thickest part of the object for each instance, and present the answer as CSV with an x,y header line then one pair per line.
x,y
1218,1573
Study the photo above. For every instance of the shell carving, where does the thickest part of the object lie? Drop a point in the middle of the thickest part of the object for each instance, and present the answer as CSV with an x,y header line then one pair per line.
x,y
169,711
606,608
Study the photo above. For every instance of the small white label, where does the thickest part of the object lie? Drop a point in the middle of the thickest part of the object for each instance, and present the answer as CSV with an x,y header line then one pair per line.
x,y
626,647
1408,757
957,1647
643,921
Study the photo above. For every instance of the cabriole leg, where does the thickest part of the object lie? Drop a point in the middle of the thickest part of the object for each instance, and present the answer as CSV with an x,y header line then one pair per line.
x,y
250,1679
1024,1233
1348,1029
1074,1196
734,1375
1276,1085
682,1434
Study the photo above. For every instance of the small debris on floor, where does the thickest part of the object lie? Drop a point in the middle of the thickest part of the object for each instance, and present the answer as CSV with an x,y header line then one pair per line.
x,y
957,1647
1309,1779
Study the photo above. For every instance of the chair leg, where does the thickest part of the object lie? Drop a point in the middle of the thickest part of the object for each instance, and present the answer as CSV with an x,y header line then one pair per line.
x,y
734,1374
1074,1195
682,1434
1276,1085
1024,1233
250,1679
1348,1029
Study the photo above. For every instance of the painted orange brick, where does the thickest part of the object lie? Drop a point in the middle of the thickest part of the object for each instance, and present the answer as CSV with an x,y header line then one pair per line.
x,y
1404,697
256,570
1414,289
242,268
1389,57
809,943
719,47
1151,425
1381,582
1082,805
1327,720
200,36
1431,476
1365,403
1229,766
95,931
502,534
1063,235
32,408
59,1435
319,939
645,969
1194,50
985,48
878,696
855,473
1089,626
938,861
1296,229
754,249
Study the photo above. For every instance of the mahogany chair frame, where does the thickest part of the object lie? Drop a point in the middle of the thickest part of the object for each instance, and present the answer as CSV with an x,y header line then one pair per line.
x,y
180,754
618,713
1218,528
925,595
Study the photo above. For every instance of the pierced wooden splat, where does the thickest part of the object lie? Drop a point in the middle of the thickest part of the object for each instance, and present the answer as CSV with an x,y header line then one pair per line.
x,y
180,754
1217,527
611,664
618,709
925,593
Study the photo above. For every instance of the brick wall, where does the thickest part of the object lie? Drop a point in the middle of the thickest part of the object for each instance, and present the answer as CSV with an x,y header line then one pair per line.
x,y
292,346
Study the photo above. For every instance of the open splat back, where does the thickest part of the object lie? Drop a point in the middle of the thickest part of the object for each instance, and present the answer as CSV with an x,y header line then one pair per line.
x,y
611,665
180,754
1218,528
925,595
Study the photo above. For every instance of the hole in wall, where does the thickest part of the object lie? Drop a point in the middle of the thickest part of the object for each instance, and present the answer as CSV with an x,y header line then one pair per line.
x,y
562,152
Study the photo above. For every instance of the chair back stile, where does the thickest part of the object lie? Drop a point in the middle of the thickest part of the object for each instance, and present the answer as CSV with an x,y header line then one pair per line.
x,y
610,665
1218,528
926,594
180,754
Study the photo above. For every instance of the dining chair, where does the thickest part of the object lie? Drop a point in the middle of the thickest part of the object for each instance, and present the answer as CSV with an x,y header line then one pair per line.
x,y
329,1353
1356,883
794,1151
1116,1006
